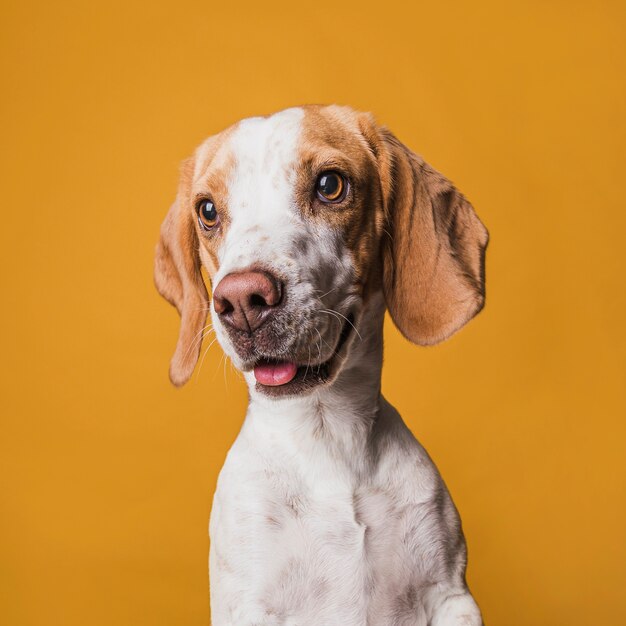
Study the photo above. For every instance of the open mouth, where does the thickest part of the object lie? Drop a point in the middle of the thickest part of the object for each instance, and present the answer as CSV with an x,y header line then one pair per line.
x,y
280,377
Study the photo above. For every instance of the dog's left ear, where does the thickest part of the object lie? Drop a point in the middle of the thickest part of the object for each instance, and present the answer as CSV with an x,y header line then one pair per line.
x,y
178,277
433,260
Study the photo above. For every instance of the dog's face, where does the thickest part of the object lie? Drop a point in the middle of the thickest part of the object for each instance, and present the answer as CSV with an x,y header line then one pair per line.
x,y
299,219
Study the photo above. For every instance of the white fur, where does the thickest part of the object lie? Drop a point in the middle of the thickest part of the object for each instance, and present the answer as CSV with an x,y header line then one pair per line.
x,y
327,510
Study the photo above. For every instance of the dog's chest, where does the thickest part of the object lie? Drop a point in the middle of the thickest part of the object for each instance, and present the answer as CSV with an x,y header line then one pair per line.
x,y
300,538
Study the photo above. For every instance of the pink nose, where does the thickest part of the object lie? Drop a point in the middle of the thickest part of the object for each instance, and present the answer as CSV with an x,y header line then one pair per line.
x,y
245,300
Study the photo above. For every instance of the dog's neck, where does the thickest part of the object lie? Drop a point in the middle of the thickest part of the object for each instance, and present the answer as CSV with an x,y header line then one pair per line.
x,y
338,419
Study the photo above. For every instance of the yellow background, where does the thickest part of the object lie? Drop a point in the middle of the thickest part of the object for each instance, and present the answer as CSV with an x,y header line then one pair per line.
x,y
107,472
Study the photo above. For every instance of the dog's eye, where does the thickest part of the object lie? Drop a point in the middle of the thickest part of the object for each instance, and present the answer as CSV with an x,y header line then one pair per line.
x,y
207,214
331,187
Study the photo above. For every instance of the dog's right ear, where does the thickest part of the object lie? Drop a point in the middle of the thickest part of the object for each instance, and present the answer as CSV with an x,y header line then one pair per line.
x,y
178,277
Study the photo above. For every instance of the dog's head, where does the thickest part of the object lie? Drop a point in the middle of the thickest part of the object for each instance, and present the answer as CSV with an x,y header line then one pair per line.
x,y
300,219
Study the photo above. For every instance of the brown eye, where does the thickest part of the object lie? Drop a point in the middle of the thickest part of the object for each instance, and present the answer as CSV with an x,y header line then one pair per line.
x,y
207,214
331,187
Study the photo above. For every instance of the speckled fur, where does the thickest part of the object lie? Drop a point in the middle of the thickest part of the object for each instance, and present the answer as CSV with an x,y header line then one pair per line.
x,y
328,511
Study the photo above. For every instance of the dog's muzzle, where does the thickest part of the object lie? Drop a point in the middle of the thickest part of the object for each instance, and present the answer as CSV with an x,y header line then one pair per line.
x,y
271,336
245,301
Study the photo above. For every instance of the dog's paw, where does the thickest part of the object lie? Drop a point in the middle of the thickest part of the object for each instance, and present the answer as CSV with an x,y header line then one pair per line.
x,y
457,610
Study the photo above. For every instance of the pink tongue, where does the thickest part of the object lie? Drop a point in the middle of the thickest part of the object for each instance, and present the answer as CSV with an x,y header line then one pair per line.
x,y
275,374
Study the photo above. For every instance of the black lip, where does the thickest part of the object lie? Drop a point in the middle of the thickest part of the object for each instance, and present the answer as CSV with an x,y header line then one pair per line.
x,y
308,376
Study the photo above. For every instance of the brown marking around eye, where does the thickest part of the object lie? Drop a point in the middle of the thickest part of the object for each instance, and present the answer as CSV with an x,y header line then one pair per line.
x,y
211,178
209,260
333,138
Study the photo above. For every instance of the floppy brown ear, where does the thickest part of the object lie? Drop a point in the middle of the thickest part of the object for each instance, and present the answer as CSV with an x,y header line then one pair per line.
x,y
434,278
178,277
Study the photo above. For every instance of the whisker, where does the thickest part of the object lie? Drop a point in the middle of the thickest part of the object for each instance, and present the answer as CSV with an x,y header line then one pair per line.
x,y
203,357
218,367
345,318
334,316
324,342
306,371
194,341
234,369
319,349
329,291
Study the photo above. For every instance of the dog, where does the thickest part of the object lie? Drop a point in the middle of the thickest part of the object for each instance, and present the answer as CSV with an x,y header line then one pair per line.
x,y
310,224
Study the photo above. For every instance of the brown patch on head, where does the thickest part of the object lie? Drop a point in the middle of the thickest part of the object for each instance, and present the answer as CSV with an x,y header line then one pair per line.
x,y
211,182
332,139
403,222
177,269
